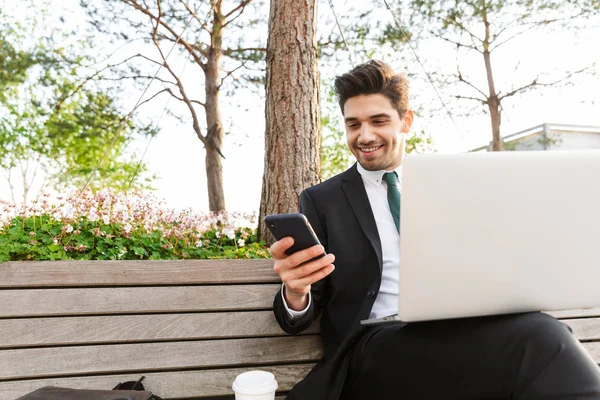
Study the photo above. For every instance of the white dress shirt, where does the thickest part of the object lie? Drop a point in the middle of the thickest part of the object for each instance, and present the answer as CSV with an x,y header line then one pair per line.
x,y
386,302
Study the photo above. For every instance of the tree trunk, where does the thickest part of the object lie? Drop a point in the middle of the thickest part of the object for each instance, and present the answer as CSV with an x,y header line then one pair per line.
x,y
26,186
214,135
493,102
493,105
292,137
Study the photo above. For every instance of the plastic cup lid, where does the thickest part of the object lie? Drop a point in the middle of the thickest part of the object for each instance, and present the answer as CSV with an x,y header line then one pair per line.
x,y
255,382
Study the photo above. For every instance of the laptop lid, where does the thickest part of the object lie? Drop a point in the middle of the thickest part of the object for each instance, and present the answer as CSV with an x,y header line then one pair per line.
x,y
495,233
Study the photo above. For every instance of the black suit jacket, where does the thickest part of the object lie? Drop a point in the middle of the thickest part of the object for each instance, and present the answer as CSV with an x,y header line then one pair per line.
x,y
341,216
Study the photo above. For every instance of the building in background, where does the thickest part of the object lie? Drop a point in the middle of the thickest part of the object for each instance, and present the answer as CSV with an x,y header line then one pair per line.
x,y
552,137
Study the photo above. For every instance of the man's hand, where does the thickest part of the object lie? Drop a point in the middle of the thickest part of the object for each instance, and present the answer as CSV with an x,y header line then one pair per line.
x,y
297,276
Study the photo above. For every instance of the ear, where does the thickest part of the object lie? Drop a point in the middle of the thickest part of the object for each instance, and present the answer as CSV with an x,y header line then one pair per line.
x,y
408,119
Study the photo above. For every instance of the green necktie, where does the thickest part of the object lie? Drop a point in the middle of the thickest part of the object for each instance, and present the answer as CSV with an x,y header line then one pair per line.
x,y
393,196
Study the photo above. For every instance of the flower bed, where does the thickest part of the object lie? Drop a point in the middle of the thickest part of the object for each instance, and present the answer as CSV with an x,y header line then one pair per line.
x,y
110,226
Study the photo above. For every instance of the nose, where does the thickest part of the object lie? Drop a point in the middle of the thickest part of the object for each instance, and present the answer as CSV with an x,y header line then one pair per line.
x,y
366,134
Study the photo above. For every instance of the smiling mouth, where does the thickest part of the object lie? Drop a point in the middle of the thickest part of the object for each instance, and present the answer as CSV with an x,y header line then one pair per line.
x,y
370,149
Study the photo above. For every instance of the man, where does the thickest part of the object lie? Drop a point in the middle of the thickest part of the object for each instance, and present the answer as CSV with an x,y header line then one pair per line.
x,y
523,356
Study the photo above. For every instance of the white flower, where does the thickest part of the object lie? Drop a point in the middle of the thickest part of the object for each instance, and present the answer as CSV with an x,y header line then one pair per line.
x,y
119,207
68,228
199,243
67,210
106,219
241,243
218,234
230,234
93,216
55,241
127,228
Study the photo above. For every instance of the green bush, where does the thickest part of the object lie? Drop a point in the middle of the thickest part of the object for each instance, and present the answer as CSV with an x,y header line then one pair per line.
x,y
106,226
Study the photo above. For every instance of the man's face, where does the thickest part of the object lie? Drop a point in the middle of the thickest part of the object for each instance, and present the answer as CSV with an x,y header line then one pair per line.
x,y
375,132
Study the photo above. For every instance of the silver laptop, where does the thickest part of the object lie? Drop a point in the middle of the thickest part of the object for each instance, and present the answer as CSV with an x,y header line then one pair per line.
x,y
496,233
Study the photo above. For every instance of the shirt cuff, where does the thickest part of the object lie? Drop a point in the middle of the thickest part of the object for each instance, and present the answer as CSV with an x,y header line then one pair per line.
x,y
292,313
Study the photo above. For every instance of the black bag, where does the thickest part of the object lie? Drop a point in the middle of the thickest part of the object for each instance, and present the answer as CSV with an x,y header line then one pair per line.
x,y
130,390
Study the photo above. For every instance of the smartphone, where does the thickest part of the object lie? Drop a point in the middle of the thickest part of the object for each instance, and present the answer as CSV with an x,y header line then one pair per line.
x,y
296,226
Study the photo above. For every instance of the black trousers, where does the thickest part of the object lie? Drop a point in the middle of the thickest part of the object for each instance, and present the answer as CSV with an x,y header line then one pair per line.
x,y
520,356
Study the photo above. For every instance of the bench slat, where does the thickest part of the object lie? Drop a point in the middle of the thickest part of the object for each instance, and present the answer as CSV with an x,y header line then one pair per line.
x,y
140,328
585,328
162,327
184,384
181,384
132,300
577,313
31,363
80,360
131,273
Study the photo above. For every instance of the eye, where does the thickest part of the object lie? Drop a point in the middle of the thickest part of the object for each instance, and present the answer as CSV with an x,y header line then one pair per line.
x,y
379,121
352,125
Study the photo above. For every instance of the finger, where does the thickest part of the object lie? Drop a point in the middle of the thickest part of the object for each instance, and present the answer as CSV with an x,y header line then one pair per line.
x,y
309,268
316,276
279,247
302,256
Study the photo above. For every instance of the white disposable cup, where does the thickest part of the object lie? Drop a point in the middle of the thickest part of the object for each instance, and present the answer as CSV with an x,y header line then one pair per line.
x,y
255,385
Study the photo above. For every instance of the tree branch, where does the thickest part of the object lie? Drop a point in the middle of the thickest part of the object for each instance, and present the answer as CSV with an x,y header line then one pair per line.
x,y
185,99
521,89
529,25
209,138
457,44
471,98
195,46
168,90
140,77
474,38
111,54
230,73
60,101
152,97
535,83
203,26
240,7
461,79
508,39
192,13
183,42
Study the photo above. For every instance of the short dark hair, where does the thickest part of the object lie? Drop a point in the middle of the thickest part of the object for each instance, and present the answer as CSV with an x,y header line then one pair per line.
x,y
374,77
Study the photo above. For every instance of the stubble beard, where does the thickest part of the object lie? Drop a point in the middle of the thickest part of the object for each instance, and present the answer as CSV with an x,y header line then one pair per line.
x,y
375,164
381,163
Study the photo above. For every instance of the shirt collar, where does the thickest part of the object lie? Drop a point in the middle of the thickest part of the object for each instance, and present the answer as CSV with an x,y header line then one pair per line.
x,y
376,177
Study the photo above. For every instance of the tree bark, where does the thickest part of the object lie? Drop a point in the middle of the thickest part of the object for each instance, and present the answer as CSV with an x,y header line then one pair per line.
x,y
292,137
214,134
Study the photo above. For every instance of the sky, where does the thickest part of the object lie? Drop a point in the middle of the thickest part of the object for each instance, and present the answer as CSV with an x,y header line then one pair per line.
x,y
177,156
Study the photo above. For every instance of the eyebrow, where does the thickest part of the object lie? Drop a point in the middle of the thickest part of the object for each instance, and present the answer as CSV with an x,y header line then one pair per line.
x,y
382,115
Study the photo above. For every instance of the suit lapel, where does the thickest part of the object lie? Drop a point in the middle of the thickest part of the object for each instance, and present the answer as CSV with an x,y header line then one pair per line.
x,y
354,188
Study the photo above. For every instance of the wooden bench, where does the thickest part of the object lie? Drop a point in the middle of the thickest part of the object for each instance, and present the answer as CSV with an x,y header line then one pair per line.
x,y
189,326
